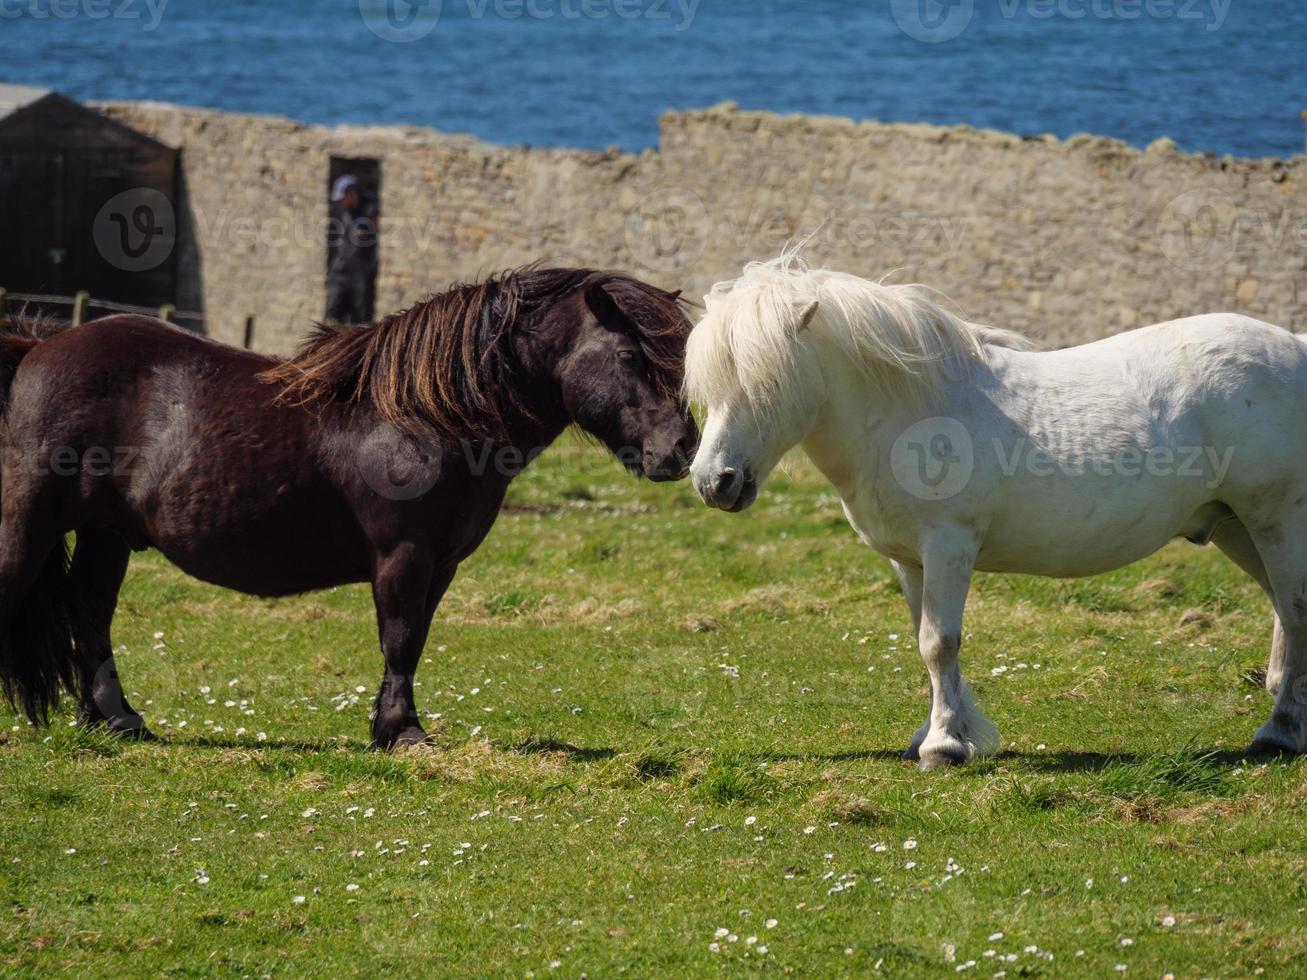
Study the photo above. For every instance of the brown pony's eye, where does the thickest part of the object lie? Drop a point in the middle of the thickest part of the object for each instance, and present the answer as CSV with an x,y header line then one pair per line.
x,y
626,356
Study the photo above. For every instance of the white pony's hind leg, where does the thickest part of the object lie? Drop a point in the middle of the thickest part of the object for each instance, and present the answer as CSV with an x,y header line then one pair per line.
x,y
958,732
1281,546
1275,666
1233,538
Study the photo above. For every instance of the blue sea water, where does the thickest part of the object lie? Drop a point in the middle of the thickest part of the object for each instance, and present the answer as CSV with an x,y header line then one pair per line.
x,y
1228,76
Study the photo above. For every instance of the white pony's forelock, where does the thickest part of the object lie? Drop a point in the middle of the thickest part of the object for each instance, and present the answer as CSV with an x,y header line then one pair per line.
x,y
749,342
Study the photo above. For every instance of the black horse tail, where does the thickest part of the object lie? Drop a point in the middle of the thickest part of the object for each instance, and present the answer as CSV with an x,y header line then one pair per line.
x,y
17,338
37,628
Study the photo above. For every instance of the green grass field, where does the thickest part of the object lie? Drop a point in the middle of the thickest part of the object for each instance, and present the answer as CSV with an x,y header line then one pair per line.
x,y
668,744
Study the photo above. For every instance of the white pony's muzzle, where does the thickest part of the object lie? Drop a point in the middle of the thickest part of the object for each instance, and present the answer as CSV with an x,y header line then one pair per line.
x,y
726,486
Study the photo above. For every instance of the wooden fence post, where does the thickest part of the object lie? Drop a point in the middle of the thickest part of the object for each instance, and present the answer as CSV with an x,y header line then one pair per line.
x,y
80,302
249,333
166,312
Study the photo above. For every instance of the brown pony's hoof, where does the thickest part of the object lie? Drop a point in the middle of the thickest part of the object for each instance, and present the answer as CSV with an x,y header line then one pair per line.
x,y
132,728
407,739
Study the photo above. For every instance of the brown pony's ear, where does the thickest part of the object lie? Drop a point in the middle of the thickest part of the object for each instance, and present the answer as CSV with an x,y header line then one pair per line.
x,y
602,304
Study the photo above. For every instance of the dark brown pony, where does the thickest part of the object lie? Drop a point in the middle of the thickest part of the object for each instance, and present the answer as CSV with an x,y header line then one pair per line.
x,y
380,454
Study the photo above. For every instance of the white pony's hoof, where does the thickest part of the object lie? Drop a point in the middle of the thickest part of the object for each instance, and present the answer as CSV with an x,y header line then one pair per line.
x,y
913,752
1265,748
977,740
1272,741
946,752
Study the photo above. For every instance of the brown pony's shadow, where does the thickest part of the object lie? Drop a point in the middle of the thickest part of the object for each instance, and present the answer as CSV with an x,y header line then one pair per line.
x,y
574,753
1048,762
289,744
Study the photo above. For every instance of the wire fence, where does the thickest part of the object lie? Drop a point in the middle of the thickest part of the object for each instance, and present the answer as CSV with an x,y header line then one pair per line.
x,y
81,303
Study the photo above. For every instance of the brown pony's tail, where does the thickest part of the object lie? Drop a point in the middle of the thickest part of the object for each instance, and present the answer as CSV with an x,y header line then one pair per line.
x,y
39,638
37,630
17,338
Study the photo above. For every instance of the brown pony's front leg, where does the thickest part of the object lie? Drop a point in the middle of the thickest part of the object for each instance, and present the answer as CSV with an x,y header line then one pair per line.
x,y
402,589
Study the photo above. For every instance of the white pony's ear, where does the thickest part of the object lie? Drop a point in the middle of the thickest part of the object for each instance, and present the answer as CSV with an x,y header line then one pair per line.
x,y
805,316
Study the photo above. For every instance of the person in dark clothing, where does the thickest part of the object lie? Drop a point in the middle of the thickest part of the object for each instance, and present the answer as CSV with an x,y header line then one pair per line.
x,y
351,254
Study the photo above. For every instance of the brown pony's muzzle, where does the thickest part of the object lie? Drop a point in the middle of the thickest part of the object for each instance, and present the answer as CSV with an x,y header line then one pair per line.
x,y
668,453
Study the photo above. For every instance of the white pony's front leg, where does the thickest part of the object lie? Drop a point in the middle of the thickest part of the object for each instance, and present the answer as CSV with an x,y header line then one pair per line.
x,y
910,580
956,731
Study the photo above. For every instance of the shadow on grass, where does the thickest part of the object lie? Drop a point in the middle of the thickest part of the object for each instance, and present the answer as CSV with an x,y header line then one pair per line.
x,y
1051,762
1213,760
1099,761
538,746
862,755
268,744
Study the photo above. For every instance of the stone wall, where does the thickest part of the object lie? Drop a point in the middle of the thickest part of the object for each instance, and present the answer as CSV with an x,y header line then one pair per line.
x,y
1067,240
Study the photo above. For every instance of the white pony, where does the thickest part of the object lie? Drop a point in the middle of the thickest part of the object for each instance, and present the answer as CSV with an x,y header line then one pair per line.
x,y
956,448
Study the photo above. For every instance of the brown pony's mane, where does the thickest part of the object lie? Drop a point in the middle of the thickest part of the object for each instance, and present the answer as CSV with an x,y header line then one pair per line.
x,y
447,365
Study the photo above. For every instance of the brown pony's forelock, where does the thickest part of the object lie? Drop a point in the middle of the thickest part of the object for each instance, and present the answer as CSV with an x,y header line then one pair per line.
x,y
446,364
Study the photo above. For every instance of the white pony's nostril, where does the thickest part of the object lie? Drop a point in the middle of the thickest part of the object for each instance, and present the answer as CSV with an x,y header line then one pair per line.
x,y
725,481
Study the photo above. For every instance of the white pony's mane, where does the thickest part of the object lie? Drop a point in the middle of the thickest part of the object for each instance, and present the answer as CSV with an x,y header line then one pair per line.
x,y
749,338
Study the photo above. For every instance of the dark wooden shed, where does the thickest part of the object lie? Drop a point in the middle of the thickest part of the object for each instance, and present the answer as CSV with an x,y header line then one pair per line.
x,y
86,203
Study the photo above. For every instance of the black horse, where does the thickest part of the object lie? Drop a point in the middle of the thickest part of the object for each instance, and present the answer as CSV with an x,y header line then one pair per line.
x,y
380,454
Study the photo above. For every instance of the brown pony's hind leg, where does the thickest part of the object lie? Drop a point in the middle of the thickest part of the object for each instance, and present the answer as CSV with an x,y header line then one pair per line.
x,y
98,568
406,591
